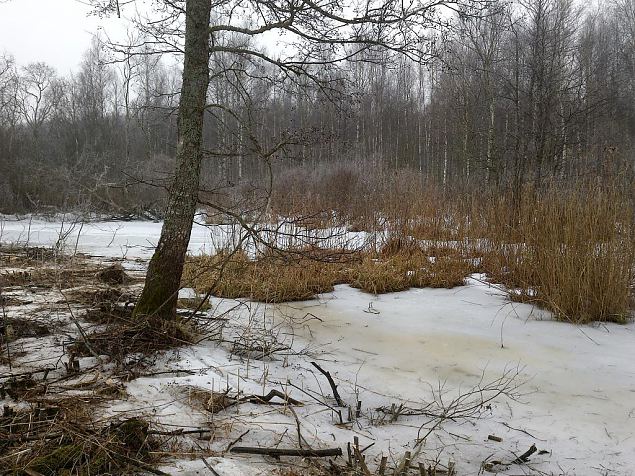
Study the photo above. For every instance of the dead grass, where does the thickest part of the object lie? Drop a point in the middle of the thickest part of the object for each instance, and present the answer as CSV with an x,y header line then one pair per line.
x,y
442,272
569,251
378,276
400,245
12,301
269,279
301,275
56,427
13,328
26,256
193,304
101,296
210,401
48,268
567,247
63,275
123,336
64,438
503,264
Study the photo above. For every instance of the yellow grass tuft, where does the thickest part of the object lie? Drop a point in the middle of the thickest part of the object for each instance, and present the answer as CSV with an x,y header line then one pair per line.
x,y
269,279
379,276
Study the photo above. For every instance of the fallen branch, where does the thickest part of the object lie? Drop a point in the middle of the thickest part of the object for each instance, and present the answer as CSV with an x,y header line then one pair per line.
x,y
267,398
522,431
179,432
79,328
277,452
212,470
337,412
523,458
229,446
327,374
44,370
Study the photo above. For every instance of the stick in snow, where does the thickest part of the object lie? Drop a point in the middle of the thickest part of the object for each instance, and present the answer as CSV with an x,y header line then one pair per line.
x,y
267,398
327,374
523,458
277,452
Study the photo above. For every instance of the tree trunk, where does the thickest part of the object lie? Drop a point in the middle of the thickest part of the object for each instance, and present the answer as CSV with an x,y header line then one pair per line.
x,y
491,173
163,279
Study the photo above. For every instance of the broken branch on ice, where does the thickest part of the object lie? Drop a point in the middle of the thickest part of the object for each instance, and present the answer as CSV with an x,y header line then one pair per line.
x,y
277,452
523,458
327,374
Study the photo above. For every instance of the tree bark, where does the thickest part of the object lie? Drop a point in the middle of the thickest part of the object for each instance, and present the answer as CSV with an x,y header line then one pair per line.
x,y
163,279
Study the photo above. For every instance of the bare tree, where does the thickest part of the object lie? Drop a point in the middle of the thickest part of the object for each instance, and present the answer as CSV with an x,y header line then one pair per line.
x,y
39,94
526,92
7,68
321,35
166,266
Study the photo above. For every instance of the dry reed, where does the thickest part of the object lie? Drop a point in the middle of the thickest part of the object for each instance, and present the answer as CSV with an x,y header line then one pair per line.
x,y
567,247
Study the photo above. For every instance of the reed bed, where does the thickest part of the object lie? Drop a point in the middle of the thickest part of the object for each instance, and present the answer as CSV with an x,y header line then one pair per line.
x,y
566,247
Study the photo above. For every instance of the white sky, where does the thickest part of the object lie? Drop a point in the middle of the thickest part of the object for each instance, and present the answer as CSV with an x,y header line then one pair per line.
x,y
54,31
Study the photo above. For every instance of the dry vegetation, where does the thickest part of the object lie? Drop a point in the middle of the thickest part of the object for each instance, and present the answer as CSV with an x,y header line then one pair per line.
x,y
56,418
62,437
270,279
296,278
568,250
566,247
53,420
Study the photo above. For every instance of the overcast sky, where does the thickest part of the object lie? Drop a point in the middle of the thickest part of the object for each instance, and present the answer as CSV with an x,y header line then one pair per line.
x,y
54,31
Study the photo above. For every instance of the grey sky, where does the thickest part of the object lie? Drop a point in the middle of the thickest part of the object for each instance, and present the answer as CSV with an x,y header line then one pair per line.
x,y
54,31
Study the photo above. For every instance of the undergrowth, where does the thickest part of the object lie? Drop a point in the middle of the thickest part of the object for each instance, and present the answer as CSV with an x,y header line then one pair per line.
x,y
63,437
567,247
291,278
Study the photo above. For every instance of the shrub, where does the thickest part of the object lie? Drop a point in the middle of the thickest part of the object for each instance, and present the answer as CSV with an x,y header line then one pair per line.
x,y
575,254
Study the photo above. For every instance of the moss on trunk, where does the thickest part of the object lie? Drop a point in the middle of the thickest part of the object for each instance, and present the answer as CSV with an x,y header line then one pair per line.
x,y
163,279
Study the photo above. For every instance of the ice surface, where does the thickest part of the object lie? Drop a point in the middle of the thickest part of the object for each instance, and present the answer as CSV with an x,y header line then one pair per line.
x,y
137,239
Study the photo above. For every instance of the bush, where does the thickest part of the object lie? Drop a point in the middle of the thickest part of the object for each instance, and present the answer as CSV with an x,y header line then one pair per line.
x,y
574,257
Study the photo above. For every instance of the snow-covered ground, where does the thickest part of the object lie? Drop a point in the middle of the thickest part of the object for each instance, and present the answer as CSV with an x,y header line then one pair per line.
x,y
578,382
137,239
113,239
580,388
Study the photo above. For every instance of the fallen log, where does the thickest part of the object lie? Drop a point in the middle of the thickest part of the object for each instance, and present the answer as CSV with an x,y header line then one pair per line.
x,y
277,452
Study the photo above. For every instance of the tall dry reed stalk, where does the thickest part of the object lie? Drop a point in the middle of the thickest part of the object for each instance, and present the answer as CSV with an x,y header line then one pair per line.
x,y
569,248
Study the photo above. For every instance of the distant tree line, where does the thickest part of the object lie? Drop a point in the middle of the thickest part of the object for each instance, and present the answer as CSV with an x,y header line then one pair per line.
x,y
532,91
